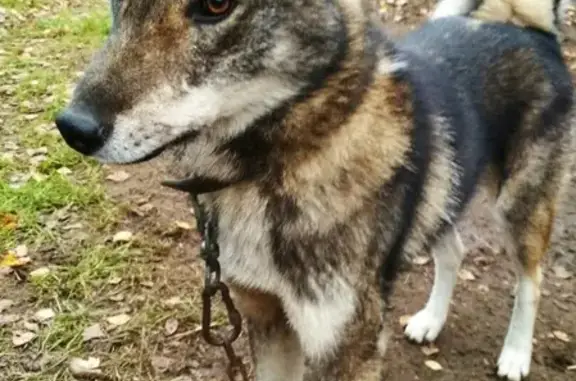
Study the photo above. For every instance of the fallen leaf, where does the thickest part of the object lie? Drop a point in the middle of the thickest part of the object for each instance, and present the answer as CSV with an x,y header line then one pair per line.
x,y
123,236
31,326
561,272
115,280
184,225
171,326
11,260
404,320
21,251
429,350
118,319
40,272
182,378
20,338
421,261
5,304
173,301
93,332
161,364
44,315
64,171
9,222
118,176
562,336
117,298
435,366
8,319
466,275
85,368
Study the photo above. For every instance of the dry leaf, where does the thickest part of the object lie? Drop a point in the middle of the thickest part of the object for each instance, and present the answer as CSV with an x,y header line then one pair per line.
x,y
466,275
11,260
184,225
44,315
429,350
119,176
562,336
85,368
182,378
20,338
161,364
404,320
5,304
31,326
8,221
93,332
118,319
40,272
171,326
435,366
561,272
116,298
21,251
421,261
173,301
123,236
64,171
115,280
8,319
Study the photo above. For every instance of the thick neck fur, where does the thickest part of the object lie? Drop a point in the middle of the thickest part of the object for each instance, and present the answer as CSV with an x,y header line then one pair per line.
x,y
297,130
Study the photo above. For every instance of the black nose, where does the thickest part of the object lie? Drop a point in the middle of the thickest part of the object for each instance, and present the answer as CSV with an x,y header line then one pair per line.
x,y
80,130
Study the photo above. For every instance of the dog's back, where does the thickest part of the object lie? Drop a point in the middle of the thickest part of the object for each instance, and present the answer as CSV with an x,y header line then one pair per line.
x,y
481,76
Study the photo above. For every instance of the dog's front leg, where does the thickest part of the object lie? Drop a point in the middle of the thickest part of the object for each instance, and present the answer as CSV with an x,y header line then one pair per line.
x,y
360,354
276,350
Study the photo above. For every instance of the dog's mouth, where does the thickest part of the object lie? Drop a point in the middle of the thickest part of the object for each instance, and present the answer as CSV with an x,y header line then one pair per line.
x,y
189,136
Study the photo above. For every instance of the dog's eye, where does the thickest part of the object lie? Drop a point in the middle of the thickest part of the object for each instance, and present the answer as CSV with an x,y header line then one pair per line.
x,y
209,11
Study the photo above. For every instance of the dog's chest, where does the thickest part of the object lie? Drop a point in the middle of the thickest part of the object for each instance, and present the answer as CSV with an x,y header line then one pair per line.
x,y
247,260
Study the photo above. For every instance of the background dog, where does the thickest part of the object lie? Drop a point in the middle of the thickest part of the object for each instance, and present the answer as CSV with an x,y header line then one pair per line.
x,y
330,153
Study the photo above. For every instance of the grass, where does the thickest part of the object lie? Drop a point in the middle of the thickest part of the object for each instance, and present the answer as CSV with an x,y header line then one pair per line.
x,y
53,201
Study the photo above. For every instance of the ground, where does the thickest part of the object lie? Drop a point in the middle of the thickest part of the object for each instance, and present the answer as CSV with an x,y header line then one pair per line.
x,y
101,276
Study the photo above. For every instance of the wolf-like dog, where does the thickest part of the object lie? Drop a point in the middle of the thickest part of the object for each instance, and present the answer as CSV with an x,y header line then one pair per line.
x,y
326,153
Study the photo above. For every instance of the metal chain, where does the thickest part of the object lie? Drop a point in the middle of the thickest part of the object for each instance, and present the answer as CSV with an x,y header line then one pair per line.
x,y
209,252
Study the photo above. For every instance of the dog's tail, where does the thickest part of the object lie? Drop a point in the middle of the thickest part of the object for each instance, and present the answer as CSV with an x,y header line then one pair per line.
x,y
546,15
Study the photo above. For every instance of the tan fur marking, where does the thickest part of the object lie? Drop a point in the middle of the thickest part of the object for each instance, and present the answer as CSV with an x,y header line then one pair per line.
x,y
537,238
260,307
524,13
351,163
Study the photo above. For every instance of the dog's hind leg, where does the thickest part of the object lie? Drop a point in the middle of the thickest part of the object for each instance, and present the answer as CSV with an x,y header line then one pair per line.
x,y
526,207
428,322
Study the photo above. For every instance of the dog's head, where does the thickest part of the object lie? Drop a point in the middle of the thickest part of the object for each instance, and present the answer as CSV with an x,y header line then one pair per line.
x,y
173,74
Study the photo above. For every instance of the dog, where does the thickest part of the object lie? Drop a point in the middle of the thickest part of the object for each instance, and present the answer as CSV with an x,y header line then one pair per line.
x,y
327,153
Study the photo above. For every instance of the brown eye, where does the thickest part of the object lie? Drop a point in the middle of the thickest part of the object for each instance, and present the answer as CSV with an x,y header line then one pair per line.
x,y
217,7
210,11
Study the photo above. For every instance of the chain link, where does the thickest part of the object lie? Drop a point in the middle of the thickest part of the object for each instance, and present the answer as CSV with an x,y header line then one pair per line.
x,y
212,287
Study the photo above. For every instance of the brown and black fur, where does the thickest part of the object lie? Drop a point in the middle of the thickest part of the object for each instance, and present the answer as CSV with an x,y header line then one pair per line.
x,y
327,153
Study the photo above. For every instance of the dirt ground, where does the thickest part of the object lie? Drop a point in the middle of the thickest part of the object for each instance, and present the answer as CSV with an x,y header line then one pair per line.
x,y
472,338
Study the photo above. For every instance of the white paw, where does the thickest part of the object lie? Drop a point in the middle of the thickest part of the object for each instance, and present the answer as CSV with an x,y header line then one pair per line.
x,y
424,325
514,364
